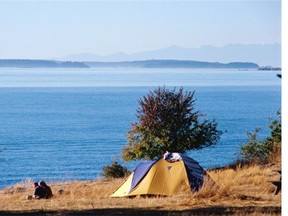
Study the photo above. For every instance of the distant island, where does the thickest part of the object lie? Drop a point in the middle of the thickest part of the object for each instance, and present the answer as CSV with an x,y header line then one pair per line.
x,y
270,68
27,63
173,64
20,63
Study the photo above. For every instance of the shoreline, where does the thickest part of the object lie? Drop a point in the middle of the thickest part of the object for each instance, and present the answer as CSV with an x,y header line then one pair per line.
x,y
101,178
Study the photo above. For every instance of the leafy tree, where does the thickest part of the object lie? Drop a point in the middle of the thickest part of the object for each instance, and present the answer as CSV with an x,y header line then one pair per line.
x,y
167,121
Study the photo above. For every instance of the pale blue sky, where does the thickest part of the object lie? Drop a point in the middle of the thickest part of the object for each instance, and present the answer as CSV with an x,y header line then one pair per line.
x,y
43,29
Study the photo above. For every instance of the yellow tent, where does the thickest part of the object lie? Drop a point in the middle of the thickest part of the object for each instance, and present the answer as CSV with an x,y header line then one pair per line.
x,y
162,177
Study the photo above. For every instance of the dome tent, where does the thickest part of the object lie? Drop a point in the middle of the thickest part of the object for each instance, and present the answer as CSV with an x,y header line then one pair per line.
x,y
163,176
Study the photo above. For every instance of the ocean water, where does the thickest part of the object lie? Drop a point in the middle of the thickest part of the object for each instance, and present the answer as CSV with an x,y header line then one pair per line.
x,y
66,124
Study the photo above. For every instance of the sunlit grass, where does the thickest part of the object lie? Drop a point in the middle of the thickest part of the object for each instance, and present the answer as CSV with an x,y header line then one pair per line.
x,y
240,187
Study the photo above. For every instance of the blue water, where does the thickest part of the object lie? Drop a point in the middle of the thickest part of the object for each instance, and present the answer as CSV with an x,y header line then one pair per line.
x,y
61,124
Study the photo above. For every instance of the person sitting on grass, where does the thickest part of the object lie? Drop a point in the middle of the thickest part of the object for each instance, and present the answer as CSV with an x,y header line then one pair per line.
x,y
47,189
39,192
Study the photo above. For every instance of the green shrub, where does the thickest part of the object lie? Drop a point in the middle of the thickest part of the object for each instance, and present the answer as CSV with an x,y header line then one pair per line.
x,y
255,151
114,170
261,151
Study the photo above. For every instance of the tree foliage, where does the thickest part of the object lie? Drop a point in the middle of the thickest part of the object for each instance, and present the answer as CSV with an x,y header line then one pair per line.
x,y
259,151
168,121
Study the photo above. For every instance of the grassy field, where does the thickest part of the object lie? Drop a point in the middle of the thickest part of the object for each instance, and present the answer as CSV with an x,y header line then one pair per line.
x,y
240,191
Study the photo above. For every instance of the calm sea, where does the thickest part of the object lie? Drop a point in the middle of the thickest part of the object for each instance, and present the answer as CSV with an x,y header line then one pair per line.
x,y
66,124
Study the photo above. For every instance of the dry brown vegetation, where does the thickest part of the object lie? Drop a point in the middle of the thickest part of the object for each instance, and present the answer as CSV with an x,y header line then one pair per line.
x,y
239,191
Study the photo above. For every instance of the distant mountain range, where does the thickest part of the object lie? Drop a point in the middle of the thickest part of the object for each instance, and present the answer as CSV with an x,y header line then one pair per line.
x,y
261,54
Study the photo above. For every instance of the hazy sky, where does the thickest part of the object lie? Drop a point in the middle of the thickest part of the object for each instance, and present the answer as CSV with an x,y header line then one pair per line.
x,y
47,29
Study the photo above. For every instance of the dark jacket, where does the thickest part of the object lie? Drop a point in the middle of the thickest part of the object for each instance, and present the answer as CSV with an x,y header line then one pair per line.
x,y
48,192
40,193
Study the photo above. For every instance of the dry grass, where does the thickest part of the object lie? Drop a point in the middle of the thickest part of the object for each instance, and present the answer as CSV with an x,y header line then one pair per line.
x,y
237,188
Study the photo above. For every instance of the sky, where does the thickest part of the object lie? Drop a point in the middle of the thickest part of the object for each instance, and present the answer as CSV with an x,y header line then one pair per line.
x,y
48,29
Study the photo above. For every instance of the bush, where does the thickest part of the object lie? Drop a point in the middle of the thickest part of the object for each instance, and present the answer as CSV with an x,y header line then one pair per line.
x,y
255,151
262,151
114,170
